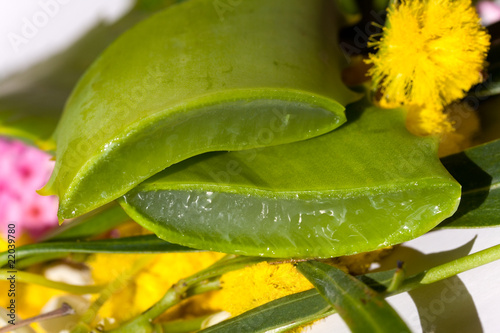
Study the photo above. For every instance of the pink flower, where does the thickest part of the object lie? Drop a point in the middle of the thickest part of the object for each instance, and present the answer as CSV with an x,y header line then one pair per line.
x,y
489,11
23,170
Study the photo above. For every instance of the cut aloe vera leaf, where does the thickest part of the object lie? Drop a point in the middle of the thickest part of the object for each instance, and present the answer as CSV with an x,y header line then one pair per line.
x,y
188,81
366,185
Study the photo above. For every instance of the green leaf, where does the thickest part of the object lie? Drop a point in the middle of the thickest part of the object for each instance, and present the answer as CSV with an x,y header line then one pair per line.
x,y
136,244
96,222
280,315
478,170
192,79
364,186
361,308
379,281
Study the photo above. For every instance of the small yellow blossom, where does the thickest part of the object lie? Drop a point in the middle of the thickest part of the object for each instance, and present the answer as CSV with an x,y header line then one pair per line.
x,y
431,52
258,284
456,126
147,287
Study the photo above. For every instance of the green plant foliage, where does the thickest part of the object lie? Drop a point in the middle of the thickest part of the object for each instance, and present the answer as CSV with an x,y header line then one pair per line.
x,y
361,308
478,171
364,186
280,315
135,244
190,80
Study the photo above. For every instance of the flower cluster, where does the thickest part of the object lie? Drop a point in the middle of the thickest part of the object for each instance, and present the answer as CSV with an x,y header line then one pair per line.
x,y
429,55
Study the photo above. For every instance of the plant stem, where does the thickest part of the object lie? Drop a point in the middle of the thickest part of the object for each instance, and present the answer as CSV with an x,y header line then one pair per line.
x,y
64,310
181,290
397,279
182,326
36,259
450,269
119,283
41,281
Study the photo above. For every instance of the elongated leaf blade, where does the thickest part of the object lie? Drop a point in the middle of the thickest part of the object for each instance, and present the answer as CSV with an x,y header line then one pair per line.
x,y
361,308
478,170
280,315
136,244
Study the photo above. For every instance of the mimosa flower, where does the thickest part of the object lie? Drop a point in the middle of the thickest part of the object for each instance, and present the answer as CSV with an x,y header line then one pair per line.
x,y
456,126
431,53
149,285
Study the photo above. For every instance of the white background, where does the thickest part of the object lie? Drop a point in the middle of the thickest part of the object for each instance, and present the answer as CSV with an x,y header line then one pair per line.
x,y
443,308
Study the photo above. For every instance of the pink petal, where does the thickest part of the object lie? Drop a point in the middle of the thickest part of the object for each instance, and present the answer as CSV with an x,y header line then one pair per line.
x,y
489,12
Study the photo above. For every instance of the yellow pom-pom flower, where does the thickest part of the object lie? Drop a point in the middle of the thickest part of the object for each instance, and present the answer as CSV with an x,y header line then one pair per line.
x,y
431,52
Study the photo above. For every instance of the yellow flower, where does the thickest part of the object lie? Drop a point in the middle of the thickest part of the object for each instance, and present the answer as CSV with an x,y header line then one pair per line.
x,y
256,285
147,287
456,126
431,52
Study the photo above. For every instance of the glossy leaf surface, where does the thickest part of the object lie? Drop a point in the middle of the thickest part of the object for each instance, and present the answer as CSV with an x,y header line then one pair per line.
x,y
191,80
366,185
478,170
361,308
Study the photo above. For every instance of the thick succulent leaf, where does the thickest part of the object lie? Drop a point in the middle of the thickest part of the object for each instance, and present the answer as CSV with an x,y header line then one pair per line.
x,y
280,315
31,102
366,185
478,170
136,244
191,80
361,308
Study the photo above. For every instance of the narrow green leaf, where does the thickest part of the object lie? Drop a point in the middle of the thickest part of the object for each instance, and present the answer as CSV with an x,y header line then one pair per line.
x,y
366,185
478,171
94,223
195,78
361,308
38,258
379,281
27,277
280,315
136,244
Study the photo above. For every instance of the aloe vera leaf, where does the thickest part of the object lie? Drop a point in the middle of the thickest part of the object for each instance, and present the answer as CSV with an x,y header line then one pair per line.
x,y
361,308
366,185
478,170
187,81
